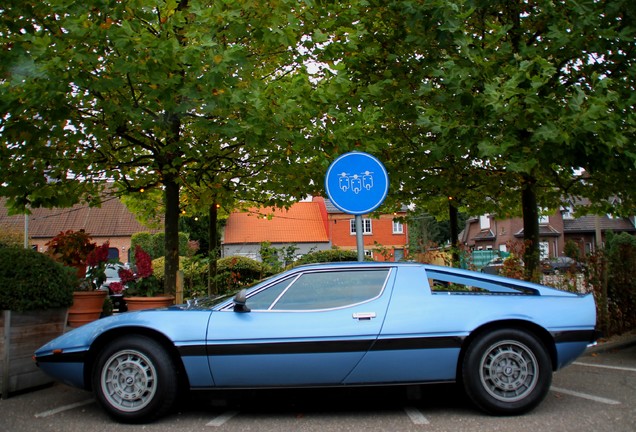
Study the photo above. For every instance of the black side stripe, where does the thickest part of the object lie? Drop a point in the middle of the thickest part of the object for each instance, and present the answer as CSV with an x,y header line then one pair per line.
x,y
326,346
575,336
335,346
76,357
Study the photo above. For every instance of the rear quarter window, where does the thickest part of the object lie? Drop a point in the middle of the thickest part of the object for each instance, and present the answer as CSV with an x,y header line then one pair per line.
x,y
452,283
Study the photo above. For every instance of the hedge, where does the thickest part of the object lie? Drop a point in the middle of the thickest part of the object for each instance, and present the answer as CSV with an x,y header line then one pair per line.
x,y
30,280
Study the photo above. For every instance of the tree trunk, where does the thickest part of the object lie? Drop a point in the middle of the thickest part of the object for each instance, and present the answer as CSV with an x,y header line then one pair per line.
x,y
213,252
530,228
171,235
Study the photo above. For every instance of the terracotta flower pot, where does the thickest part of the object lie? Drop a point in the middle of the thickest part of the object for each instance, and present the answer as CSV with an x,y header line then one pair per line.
x,y
87,307
139,303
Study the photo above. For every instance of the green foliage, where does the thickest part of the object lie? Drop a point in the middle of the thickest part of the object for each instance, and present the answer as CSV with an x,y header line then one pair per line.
x,y
572,250
269,256
144,240
621,280
31,280
277,258
11,236
201,100
195,274
481,100
235,272
232,273
154,244
331,255
158,245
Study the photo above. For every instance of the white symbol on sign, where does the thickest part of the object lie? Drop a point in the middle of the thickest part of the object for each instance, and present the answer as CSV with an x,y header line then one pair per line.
x,y
355,182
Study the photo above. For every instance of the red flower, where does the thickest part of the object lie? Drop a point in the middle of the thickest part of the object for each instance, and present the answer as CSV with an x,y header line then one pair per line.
x,y
116,287
143,261
126,275
98,255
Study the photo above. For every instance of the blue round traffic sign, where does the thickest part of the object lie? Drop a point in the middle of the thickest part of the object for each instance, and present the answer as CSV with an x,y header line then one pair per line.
x,y
357,183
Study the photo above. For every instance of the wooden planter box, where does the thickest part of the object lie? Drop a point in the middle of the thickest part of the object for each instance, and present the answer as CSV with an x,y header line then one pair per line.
x,y
21,333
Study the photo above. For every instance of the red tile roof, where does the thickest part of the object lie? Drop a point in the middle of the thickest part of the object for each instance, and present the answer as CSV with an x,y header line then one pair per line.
x,y
302,223
112,219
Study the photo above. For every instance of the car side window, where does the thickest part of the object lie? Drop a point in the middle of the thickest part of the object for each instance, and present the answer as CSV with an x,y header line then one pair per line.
x,y
264,298
332,289
442,281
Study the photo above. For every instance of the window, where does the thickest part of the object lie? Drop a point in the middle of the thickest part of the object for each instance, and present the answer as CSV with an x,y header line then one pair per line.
x,y
398,228
366,226
484,222
567,212
321,290
263,299
448,282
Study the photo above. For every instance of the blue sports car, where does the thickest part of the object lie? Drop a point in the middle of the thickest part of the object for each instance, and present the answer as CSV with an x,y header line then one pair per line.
x,y
345,324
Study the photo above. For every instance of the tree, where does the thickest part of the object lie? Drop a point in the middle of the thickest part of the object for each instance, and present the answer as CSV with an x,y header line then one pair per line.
x,y
172,95
497,104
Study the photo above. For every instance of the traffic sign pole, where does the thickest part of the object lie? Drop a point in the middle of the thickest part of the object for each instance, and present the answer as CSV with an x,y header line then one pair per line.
x,y
359,240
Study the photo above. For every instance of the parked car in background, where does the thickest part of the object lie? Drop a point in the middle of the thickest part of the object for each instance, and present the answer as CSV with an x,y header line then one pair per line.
x,y
494,266
112,275
334,325
561,264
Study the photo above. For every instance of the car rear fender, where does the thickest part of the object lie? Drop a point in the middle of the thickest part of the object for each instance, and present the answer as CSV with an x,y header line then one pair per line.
x,y
541,333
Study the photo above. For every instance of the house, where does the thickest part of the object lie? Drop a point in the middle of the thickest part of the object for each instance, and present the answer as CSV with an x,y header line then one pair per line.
x,y
112,222
385,238
302,225
310,226
486,232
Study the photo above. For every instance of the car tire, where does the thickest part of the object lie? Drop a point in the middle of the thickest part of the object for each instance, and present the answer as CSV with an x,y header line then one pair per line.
x,y
506,372
134,379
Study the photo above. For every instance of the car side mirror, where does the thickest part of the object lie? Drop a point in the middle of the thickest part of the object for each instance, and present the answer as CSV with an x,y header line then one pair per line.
x,y
239,302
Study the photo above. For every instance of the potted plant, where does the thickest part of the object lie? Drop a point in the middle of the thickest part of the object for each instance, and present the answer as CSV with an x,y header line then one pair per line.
x,y
75,249
143,290
71,248
35,293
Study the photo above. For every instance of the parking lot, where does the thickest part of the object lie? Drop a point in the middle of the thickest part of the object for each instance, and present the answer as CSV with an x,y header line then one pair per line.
x,y
597,393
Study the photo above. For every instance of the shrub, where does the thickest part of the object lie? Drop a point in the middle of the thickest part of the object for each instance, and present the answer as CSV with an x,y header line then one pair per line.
x,y
621,283
195,274
10,236
331,255
30,280
154,244
235,272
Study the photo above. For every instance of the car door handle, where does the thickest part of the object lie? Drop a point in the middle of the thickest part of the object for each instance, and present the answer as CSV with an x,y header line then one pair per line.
x,y
363,315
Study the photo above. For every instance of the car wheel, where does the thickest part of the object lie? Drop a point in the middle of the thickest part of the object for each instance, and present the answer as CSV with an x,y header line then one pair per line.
x,y
506,372
134,379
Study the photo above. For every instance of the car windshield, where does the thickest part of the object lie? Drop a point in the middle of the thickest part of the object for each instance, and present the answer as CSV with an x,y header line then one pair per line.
x,y
112,272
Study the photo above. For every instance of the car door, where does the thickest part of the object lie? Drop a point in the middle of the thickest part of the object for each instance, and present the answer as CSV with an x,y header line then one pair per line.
x,y
309,328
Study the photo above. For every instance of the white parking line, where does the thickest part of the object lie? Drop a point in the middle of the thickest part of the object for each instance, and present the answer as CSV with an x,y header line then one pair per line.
x,y
416,416
222,419
620,368
64,408
585,396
